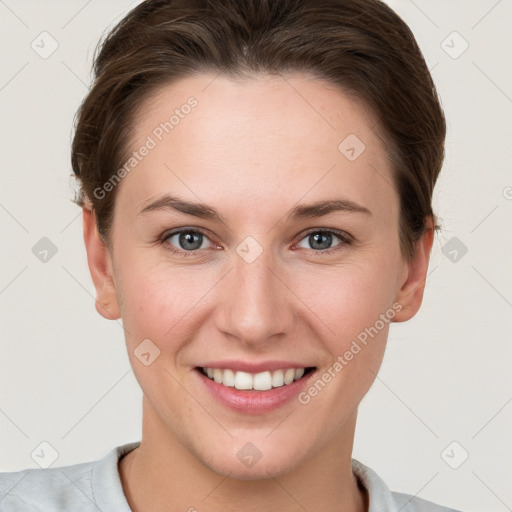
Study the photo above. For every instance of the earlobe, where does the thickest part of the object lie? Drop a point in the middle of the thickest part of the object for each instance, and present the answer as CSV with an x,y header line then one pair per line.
x,y
100,267
410,294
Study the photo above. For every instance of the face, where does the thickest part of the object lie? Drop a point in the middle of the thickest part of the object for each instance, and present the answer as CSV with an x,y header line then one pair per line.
x,y
276,249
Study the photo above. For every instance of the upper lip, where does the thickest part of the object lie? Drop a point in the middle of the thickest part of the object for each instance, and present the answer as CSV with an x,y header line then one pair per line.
x,y
253,367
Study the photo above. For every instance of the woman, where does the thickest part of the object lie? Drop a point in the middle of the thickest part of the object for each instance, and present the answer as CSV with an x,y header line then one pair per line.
x,y
256,183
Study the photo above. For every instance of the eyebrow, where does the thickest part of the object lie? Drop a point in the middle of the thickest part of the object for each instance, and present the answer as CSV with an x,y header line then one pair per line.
x,y
321,208
306,211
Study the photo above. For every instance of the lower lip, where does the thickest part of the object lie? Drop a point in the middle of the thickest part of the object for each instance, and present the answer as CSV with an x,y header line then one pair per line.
x,y
255,402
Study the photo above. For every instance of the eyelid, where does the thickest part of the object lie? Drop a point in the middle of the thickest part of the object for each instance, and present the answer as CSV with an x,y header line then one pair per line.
x,y
163,239
345,240
176,231
343,235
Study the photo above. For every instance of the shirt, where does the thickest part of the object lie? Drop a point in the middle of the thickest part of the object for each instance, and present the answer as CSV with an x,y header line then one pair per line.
x,y
96,487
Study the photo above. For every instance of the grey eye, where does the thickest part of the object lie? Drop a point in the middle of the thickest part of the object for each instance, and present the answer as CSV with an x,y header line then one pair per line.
x,y
320,240
189,240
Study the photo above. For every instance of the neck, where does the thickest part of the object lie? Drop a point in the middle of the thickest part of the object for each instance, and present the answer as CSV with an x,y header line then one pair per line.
x,y
162,474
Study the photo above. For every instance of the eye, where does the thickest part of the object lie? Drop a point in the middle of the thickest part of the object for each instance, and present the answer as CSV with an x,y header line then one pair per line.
x,y
322,240
187,240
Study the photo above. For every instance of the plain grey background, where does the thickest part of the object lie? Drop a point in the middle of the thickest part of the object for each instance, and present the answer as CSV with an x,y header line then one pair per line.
x,y
444,391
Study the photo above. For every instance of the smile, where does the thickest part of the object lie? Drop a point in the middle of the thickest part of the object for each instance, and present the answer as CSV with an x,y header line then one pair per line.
x,y
262,381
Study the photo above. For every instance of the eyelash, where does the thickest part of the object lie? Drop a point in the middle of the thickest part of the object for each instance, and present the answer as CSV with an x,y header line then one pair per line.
x,y
345,240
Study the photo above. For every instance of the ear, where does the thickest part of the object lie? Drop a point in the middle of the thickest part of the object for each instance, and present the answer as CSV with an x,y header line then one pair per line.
x,y
100,266
412,285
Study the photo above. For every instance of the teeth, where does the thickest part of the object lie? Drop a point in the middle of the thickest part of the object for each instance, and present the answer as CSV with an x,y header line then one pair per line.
x,y
243,380
277,379
260,381
218,375
289,375
229,378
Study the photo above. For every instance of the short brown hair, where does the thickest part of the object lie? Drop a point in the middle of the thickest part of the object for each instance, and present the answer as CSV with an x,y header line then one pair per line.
x,y
361,46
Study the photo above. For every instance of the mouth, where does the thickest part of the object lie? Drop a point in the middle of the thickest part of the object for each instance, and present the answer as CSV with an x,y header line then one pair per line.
x,y
252,386
256,382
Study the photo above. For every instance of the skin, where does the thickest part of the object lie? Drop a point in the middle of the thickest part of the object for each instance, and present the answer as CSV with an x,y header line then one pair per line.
x,y
253,150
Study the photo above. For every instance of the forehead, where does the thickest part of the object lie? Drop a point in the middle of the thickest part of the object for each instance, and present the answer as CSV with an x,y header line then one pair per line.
x,y
257,137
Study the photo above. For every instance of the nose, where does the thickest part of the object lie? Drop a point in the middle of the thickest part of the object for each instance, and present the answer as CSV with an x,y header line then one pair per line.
x,y
255,306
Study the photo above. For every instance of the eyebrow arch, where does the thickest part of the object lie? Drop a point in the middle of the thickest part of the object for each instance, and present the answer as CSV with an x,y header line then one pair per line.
x,y
168,202
307,211
321,208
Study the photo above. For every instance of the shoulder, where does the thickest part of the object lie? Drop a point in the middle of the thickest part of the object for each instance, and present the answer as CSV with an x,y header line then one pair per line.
x,y
47,489
409,503
382,499
86,487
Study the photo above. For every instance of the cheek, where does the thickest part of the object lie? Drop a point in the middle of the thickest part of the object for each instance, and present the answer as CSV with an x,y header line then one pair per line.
x,y
356,303
163,304
348,299
158,298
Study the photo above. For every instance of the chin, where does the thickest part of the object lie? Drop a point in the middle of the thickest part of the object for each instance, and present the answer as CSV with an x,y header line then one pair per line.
x,y
250,463
260,471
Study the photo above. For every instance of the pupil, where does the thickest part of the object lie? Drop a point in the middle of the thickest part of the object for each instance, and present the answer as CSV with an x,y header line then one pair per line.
x,y
190,240
320,240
